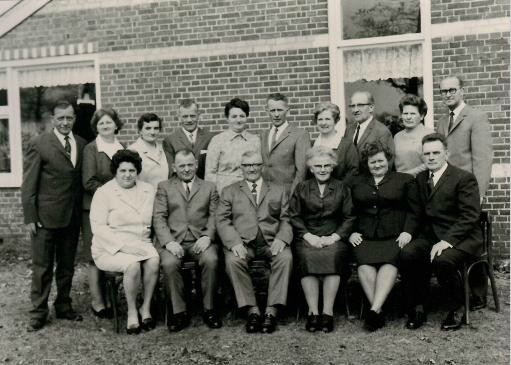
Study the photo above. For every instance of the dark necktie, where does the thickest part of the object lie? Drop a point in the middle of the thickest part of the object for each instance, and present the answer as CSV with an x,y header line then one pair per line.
x,y
274,138
192,142
67,146
431,184
355,140
187,190
451,121
254,192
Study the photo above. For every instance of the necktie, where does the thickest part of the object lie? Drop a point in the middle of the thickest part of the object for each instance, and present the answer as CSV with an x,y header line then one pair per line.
x,y
192,141
187,190
355,140
274,138
431,184
67,146
451,121
254,192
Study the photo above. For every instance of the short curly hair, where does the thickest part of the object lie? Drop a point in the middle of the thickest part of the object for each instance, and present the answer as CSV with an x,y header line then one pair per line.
x,y
126,156
371,149
100,113
334,109
416,101
236,103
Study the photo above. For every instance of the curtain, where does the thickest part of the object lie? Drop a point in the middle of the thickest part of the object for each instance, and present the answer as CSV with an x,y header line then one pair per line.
x,y
55,76
383,63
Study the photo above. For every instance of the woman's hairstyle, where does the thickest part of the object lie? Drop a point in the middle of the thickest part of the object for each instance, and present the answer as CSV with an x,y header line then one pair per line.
x,y
334,109
236,103
320,151
100,113
125,156
416,101
147,118
371,149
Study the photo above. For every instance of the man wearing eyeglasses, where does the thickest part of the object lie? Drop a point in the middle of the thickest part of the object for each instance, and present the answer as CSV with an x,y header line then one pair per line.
x,y
252,221
470,148
365,128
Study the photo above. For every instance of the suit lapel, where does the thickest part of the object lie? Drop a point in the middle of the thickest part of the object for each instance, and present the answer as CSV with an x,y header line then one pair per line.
x,y
183,138
443,178
195,187
459,119
265,188
244,188
282,137
60,148
367,132
179,187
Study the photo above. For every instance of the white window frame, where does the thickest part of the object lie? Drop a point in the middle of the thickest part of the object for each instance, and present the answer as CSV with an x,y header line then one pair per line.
x,y
337,46
12,111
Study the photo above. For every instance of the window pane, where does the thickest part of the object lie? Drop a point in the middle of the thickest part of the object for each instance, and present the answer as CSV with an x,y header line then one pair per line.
x,y
369,18
3,89
387,94
5,152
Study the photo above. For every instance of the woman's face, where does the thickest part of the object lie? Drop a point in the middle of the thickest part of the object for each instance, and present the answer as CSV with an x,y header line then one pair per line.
x,y
126,175
325,122
321,167
237,120
378,164
411,116
106,126
150,131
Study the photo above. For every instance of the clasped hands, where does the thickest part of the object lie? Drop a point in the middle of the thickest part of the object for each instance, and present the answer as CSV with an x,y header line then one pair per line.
x,y
198,247
402,240
321,241
276,247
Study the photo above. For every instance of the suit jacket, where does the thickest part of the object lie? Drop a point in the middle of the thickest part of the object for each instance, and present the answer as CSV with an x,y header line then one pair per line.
x,y
238,217
383,211
285,163
451,212
174,214
51,192
95,171
375,131
178,141
470,144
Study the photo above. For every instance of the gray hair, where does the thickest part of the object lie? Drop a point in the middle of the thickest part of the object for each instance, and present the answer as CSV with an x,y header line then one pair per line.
x,y
320,151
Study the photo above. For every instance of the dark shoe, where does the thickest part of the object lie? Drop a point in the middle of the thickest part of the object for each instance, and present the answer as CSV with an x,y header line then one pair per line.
x,y
452,322
327,323
178,321
133,329
146,324
211,319
372,321
269,323
36,324
102,313
253,324
70,315
312,324
477,303
415,320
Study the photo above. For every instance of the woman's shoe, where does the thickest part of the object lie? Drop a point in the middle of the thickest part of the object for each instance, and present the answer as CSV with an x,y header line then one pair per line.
x,y
146,324
102,313
312,324
327,323
373,321
133,329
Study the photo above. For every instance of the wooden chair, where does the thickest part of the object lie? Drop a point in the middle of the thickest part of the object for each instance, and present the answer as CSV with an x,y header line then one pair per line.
x,y
112,287
191,279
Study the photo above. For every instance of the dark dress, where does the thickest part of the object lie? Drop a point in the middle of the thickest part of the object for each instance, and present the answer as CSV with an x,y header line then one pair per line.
x,y
382,213
322,216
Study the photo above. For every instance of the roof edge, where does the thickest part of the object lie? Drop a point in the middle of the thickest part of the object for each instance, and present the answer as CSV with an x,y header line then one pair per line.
x,y
18,13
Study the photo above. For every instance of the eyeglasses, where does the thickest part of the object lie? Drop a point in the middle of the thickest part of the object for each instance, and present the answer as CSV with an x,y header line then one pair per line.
x,y
251,165
319,167
358,106
450,91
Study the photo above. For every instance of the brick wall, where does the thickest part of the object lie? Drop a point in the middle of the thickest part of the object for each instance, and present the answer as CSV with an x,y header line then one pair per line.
x,y
11,213
171,23
448,11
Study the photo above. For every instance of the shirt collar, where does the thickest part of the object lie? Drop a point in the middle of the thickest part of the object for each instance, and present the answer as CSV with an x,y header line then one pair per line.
x,y
259,183
107,147
62,137
366,122
233,134
458,109
194,133
189,183
282,127
438,174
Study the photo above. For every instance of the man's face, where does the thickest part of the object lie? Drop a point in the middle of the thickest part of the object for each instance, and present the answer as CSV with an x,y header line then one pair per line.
x,y
361,107
452,93
434,155
252,167
185,167
63,120
189,117
277,111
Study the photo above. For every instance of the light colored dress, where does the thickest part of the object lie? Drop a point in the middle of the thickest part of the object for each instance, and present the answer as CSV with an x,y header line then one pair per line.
x,y
409,150
223,161
121,217
155,167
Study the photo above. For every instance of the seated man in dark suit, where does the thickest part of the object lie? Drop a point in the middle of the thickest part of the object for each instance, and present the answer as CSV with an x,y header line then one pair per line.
x,y
253,223
447,209
184,223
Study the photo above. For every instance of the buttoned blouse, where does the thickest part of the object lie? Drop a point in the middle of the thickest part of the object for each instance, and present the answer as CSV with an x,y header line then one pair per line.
x,y
155,167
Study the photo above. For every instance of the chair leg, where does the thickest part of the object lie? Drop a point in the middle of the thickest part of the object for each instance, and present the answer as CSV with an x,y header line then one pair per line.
x,y
466,288
346,301
493,287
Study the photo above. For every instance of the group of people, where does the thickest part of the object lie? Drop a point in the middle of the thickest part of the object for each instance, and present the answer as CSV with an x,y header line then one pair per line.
x,y
407,203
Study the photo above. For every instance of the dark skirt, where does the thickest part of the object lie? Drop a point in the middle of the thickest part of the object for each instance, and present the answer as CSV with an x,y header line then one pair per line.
x,y
377,252
328,260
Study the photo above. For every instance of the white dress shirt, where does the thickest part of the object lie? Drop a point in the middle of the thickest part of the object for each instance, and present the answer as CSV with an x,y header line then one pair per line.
x,y
363,127
258,183
72,143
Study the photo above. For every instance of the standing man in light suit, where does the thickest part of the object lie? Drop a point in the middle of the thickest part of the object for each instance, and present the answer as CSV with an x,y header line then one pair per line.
x,y
470,148
283,146
51,195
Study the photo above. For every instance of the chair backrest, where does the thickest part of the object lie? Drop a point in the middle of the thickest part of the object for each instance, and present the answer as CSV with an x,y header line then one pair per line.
x,y
485,222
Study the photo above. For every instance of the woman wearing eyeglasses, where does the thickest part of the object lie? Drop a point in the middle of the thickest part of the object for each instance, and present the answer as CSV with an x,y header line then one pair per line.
x,y
408,142
320,211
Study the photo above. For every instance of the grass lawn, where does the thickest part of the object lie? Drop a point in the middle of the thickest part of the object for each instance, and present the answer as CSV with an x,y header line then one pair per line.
x,y
93,341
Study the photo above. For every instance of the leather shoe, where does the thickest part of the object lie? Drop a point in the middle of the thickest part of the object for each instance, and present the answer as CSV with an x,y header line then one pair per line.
x,y
327,323
70,315
452,321
211,319
312,324
36,324
477,303
133,329
374,321
269,323
178,321
415,320
253,323
102,313
146,324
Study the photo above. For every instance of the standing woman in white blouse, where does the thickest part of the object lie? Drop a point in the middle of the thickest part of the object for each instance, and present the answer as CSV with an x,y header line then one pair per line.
x,y
97,157
156,164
